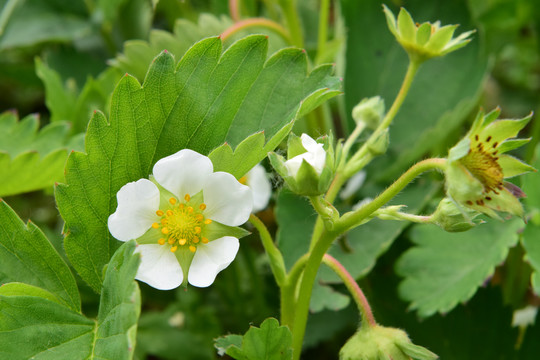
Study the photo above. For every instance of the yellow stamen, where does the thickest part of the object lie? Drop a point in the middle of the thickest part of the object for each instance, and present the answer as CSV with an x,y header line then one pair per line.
x,y
182,242
189,209
161,241
155,225
164,221
165,230
243,180
187,197
159,213
192,248
208,221
202,206
169,213
174,248
171,240
196,240
197,229
204,240
181,206
199,217
172,201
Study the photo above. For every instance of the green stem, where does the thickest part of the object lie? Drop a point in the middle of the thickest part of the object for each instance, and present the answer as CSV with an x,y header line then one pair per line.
x,y
257,22
354,289
288,292
306,286
390,115
353,218
5,13
276,259
293,21
324,11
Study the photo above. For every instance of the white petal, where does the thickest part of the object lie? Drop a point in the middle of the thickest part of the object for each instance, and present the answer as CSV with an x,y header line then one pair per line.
x,y
137,205
183,173
227,201
210,259
315,156
159,267
309,143
260,186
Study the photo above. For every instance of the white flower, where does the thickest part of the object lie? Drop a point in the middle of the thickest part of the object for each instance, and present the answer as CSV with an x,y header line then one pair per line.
x,y
314,155
352,186
260,186
179,223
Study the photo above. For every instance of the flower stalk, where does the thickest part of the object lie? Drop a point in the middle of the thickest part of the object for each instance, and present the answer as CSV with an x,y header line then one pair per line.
x,y
358,295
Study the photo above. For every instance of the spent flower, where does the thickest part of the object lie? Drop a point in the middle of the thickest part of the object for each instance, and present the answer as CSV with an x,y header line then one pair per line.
x,y
184,220
426,40
477,166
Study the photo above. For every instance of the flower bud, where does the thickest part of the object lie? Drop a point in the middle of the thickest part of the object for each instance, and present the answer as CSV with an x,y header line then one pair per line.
x,y
452,219
379,145
309,169
369,111
377,342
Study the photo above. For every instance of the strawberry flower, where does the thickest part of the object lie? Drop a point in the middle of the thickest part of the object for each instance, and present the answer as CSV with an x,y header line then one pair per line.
x,y
184,220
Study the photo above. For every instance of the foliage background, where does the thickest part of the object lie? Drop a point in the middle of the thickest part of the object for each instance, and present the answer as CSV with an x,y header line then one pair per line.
x,y
62,60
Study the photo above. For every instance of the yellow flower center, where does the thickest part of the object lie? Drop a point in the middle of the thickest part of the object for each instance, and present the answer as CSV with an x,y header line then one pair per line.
x,y
482,163
182,224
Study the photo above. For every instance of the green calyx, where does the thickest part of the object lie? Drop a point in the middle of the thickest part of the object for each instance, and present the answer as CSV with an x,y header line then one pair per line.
x,y
426,40
477,166
378,343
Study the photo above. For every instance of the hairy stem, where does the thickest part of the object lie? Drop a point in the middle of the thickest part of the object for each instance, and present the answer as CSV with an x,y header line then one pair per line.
x,y
354,289
276,259
256,22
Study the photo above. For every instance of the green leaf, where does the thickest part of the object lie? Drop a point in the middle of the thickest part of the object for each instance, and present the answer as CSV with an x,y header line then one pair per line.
x,y
442,95
138,54
28,257
35,327
209,99
31,159
224,342
42,21
119,307
444,269
66,103
325,297
269,342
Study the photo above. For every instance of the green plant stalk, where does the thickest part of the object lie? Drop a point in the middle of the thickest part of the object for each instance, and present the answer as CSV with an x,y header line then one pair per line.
x,y
6,12
276,259
257,22
293,21
362,157
345,223
353,218
412,69
306,286
288,292
322,37
358,295
234,10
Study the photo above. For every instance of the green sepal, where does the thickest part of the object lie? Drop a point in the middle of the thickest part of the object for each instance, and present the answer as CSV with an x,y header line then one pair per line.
x,y
184,257
512,144
406,25
278,163
423,34
306,181
460,150
512,166
216,230
417,352
294,146
390,20
379,145
440,38
503,129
